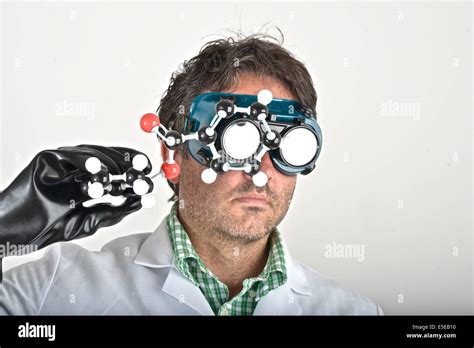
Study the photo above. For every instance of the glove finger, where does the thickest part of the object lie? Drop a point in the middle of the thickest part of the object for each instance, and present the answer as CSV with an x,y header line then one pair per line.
x,y
123,156
84,222
78,155
105,215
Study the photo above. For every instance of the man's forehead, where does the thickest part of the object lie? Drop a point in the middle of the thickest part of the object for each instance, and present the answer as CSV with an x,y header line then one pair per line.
x,y
251,84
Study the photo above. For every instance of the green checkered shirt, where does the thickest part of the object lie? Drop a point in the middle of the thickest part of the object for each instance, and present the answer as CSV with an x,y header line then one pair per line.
x,y
216,292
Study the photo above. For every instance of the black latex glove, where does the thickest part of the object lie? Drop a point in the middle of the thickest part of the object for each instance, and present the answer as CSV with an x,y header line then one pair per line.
x,y
43,204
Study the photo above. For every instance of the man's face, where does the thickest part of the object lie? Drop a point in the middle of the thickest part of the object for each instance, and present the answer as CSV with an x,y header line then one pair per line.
x,y
233,207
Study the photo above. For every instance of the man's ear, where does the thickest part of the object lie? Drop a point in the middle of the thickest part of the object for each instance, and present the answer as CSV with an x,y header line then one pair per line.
x,y
177,157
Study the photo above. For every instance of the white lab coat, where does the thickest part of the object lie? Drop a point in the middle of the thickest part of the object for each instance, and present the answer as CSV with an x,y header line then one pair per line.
x,y
136,275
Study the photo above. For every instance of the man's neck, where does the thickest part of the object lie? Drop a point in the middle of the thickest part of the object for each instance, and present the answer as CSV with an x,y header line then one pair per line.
x,y
230,260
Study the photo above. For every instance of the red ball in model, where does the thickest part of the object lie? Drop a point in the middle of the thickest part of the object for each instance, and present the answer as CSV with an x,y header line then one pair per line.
x,y
149,121
170,170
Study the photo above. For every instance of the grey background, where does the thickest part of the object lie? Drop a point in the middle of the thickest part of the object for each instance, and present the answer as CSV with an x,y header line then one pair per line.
x,y
395,102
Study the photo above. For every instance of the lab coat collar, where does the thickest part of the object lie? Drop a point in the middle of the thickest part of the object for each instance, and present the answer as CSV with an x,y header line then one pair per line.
x,y
157,252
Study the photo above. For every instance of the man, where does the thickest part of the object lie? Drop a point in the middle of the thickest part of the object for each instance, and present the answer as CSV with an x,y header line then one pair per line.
x,y
218,252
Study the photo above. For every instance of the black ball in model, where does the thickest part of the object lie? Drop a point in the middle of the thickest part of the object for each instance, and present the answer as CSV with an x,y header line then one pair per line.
x,y
207,135
257,109
173,140
117,189
217,165
272,140
132,175
225,108
102,177
84,187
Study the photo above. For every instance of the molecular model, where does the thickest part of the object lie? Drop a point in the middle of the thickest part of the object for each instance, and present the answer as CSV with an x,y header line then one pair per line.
x,y
241,142
104,187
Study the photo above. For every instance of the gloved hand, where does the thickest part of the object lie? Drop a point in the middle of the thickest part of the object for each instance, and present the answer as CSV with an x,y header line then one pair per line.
x,y
43,205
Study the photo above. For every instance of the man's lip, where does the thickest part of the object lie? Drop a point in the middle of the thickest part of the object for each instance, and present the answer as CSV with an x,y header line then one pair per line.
x,y
252,199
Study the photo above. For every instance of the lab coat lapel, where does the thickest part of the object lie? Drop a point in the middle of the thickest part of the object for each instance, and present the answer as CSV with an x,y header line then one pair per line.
x,y
181,288
157,252
284,299
280,301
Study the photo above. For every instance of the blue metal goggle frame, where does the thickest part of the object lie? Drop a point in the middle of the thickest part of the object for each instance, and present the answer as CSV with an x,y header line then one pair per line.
x,y
284,115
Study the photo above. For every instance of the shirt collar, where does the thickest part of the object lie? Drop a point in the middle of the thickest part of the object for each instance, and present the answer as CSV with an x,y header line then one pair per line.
x,y
184,251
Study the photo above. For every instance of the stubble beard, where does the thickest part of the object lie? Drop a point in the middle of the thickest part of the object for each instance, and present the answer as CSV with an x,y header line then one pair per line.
x,y
229,222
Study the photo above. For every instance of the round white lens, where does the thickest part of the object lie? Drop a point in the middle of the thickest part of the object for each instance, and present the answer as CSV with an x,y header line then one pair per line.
x,y
241,140
299,146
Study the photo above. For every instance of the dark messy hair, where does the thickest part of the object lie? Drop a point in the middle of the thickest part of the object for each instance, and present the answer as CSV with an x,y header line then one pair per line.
x,y
218,66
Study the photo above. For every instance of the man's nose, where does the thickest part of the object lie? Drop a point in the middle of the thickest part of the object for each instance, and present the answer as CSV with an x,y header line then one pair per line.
x,y
266,166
